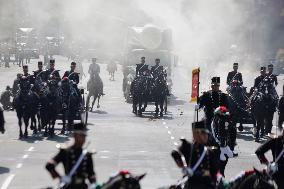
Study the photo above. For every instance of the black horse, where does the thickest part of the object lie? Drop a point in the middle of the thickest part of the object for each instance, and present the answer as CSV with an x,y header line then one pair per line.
x,y
2,121
239,106
70,103
140,91
25,104
123,180
263,103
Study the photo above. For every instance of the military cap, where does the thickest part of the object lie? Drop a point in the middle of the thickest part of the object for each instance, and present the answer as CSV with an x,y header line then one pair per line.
x,y
270,66
143,57
8,87
262,68
25,66
39,63
200,125
73,63
79,128
236,64
215,81
52,61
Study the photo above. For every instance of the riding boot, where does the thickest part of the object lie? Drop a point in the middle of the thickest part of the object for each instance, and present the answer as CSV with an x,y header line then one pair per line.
x,y
223,166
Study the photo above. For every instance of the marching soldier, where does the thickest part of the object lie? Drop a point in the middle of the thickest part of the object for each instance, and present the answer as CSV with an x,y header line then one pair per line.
x,y
94,67
198,161
157,70
258,80
275,169
271,77
212,99
235,75
72,157
52,73
141,68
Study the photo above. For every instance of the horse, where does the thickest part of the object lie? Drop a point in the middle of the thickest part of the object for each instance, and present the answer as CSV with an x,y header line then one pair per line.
x,y
24,103
95,88
263,102
111,68
140,90
238,105
158,94
2,120
123,180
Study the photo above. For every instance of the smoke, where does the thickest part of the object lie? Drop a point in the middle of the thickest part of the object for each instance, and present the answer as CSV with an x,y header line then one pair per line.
x,y
210,34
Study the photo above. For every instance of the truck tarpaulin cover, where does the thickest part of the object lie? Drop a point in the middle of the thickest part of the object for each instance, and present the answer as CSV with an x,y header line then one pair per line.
x,y
195,85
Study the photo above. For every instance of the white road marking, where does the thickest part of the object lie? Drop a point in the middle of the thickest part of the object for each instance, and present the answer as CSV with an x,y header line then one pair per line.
x,y
36,141
164,123
173,138
104,157
104,151
19,165
175,143
166,127
169,132
25,156
142,151
7,181
31,149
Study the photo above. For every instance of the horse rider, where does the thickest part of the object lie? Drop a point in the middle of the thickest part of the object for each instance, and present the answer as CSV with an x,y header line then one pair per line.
x,y
235,76
5,98
197,160
77,162
94,68
39,72
141,68
157,70
259,80
275,168
271,77
73,76
52,73
16,84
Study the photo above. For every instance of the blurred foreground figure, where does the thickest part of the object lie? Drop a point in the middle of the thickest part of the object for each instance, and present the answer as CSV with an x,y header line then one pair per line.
x,y
199,163
275,168
281,111
77,162
5,98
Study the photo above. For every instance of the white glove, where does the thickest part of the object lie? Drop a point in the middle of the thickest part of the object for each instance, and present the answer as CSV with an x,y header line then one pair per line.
x,y
187,171
272,168
65,179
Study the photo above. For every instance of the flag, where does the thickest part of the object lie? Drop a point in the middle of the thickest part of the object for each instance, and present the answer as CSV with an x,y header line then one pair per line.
x,y
195,85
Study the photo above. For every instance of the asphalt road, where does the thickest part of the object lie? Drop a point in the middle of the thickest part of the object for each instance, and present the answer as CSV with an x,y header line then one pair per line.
x,y
121,140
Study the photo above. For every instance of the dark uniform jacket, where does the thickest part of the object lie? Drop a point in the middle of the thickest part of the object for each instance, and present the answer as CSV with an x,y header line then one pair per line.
x,y
205,174
50,72
37,72
15,87
69,157
272,79
258,80
281,105
140,68
234,76
211,100
157,70
276,145
74,76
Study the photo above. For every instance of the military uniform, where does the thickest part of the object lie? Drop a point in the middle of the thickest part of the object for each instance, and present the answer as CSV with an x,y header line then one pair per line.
x,y
48,73
272,79
258,80
94,69
141,68
234,76
5,99
73,76
205,175
281,112
157,70
276,145
210,100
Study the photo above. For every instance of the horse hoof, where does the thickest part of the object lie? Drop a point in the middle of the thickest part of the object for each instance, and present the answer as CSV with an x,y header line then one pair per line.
x,y
26,135
256,140
45,134
35,131
240,128
161,115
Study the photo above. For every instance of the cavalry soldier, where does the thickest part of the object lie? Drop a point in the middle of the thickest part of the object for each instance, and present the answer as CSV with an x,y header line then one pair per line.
x,y
16,83
72,157
72,75
275,169
212,99
198,161
5,98
141,68
271,77
51,73
40,71
157,70
281,111
258,80
235,75
94,67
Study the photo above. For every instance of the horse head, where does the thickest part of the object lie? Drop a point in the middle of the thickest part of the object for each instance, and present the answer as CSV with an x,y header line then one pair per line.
x,y
123,180
263,180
